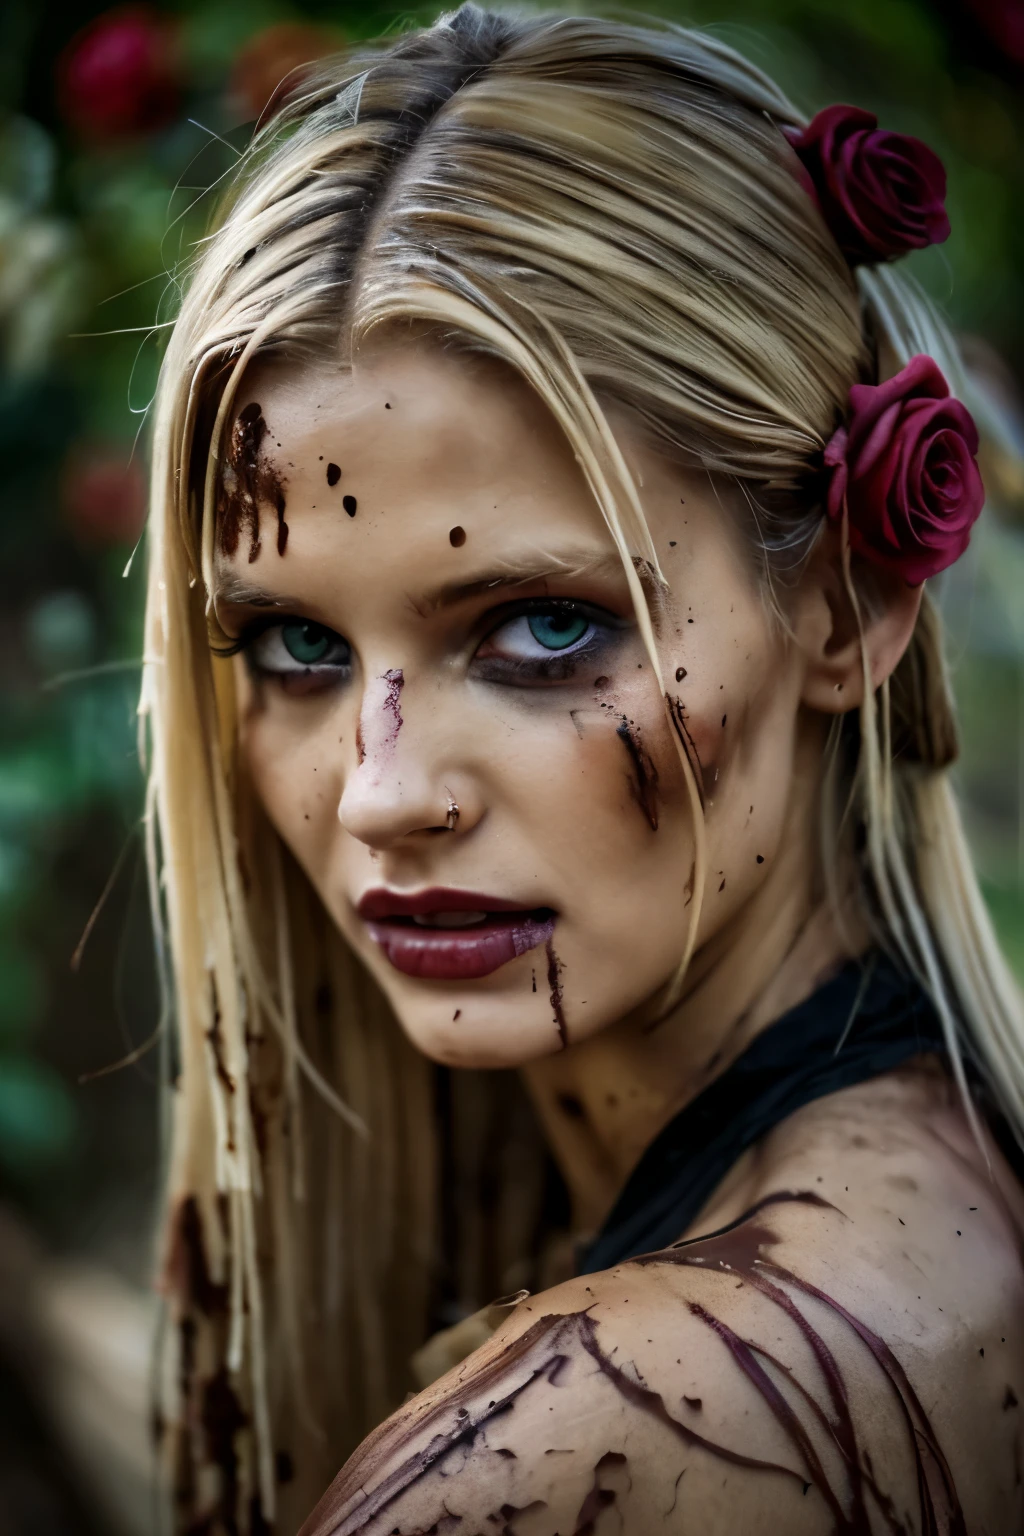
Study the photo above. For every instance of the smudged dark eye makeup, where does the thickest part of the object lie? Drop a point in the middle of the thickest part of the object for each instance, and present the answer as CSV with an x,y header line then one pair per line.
x,y
535,642
300,655
544,640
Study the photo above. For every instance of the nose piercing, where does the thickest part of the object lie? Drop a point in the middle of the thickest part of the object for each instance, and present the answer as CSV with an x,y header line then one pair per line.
x,y
453,812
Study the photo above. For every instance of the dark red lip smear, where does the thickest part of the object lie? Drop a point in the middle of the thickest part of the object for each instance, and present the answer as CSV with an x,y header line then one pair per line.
x,y
555,983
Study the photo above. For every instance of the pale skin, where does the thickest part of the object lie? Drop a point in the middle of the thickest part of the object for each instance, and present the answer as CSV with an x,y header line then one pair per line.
x,y
900,1222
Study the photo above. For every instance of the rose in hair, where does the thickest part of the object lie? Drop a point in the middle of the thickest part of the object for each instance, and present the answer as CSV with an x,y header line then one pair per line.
x,y
881,194
904,469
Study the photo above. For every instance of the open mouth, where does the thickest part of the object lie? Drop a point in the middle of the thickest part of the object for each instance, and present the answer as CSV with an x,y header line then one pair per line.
x,y
445,935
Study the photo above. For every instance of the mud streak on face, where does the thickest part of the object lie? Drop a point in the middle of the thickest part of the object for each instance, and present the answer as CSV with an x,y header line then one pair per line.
x,y
249,478
644,775
392,706
555,993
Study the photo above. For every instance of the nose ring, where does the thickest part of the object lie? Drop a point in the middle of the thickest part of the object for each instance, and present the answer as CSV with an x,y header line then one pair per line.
x,y
453,812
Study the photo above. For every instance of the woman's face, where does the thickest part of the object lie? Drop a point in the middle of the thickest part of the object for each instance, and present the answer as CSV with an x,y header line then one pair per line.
x,y
449,714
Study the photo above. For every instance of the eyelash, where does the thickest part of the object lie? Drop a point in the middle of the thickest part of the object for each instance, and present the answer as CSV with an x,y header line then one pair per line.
x,y
511,671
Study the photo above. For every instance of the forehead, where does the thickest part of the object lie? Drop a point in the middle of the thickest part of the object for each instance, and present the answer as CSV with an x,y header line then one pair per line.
x,y
453,423
418,470
413,467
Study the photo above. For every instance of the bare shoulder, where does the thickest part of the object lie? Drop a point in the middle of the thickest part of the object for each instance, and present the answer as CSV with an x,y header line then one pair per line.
x,y
924,1250
831,1359
598,1397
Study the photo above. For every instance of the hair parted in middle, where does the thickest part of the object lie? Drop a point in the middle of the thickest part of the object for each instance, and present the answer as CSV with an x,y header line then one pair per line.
x,y
615,212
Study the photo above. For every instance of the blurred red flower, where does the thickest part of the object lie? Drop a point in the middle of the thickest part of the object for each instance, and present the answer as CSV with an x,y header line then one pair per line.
x,y
104,495
121,75
1003,20
272,63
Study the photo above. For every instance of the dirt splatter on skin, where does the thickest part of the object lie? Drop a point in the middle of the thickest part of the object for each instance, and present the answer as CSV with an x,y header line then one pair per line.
x,y
459,1430
677,717
738,1249
249,479
600,1497
392,699
452,1430
555,1339
643,779
555,993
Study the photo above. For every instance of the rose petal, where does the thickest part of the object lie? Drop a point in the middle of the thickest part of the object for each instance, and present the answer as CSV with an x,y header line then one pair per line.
x,y
881,193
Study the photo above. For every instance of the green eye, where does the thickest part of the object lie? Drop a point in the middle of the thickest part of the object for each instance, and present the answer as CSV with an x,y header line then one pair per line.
x,y
558,629
306,643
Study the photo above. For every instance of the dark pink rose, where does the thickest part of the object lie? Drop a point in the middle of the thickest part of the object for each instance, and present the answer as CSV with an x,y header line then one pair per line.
x,y
904,468
120,75
881,194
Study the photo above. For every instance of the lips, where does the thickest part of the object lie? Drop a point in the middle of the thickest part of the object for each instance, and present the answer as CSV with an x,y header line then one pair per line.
x,y
449,935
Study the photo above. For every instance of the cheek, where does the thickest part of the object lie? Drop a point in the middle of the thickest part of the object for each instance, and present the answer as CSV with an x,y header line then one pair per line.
x,y
610,823
727,677
296,774
600,785
745,734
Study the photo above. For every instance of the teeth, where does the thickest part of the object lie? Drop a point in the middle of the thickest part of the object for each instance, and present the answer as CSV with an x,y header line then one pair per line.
x,y
449,919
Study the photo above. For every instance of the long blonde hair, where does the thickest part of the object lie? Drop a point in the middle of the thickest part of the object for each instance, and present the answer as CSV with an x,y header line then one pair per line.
x,y
612,210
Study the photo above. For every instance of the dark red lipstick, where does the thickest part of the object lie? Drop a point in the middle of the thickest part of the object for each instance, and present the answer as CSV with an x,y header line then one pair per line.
x,y
447,935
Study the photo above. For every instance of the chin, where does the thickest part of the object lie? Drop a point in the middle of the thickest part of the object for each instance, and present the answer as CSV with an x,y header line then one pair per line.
x,y
477,1031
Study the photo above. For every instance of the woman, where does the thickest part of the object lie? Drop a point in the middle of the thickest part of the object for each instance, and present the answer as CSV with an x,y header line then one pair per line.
x,y
548,465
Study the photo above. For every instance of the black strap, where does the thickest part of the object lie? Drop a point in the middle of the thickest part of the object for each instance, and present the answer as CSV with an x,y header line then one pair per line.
x,y
869,1019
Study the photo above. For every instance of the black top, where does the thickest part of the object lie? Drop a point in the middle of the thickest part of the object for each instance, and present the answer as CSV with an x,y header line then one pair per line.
x,y
867,1020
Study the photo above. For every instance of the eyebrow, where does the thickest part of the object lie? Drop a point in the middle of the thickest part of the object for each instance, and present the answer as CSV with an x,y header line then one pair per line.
x,y
516,571
243,594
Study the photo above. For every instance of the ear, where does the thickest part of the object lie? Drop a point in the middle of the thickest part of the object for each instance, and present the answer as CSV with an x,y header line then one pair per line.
x,y
826,631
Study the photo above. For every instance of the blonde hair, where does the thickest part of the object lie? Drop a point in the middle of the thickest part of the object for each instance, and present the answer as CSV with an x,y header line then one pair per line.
x,y
612,210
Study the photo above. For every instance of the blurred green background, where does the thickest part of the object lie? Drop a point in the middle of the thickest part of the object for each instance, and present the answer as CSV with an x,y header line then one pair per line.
x,y
114,126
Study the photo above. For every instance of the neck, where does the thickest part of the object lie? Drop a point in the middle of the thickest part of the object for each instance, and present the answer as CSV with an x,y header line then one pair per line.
x,y
602,1102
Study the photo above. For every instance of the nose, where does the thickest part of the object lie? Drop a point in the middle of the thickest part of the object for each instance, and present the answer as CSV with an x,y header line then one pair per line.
x,y
402,786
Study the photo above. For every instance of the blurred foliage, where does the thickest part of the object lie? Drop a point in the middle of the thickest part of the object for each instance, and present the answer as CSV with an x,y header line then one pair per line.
x,y
114,125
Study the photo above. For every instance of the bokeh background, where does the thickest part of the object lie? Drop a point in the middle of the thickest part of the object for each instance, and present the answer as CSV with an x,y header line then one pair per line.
x,y
116,127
